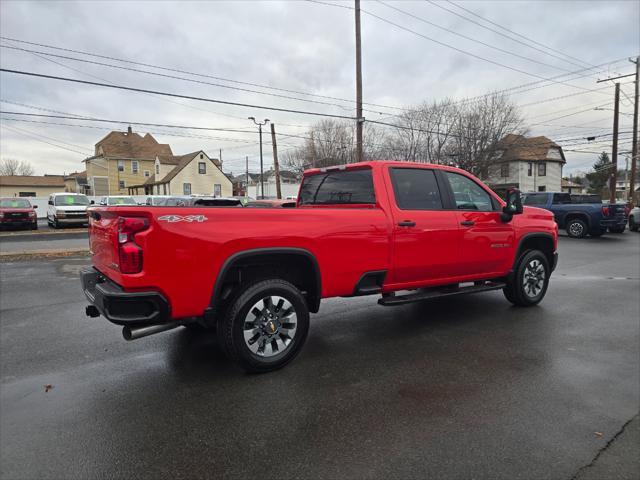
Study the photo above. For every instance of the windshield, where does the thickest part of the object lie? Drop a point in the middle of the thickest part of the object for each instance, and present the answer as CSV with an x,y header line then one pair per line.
x,y
14,203
121,201
70,200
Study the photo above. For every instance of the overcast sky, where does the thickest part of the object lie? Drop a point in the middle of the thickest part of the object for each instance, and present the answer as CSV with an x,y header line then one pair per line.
x,y
308,48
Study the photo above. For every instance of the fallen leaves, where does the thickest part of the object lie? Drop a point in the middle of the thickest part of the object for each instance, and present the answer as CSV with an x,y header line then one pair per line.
x,y
48,387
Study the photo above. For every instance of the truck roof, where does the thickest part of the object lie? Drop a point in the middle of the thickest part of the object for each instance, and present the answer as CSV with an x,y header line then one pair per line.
x,y
382,163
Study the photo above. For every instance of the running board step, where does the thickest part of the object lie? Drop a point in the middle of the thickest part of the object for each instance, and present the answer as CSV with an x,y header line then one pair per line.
x,y
435,293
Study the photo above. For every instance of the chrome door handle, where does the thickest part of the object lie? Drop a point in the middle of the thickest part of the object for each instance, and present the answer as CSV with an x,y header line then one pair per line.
x,y
468,223
407,223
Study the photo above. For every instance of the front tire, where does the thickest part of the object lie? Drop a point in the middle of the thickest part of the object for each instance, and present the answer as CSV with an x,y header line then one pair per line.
x,y
576,228
265,327
530,280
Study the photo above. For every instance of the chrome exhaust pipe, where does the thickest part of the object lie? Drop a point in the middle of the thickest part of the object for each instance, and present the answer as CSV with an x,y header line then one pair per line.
x,y
133,333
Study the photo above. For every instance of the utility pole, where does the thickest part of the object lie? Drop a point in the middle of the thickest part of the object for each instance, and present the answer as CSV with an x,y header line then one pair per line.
x,y
260,124
276,167
359,119
246,189
634,144
614,149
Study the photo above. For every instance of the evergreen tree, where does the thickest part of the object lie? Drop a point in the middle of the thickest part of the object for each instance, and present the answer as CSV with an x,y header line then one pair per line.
x,y
599,178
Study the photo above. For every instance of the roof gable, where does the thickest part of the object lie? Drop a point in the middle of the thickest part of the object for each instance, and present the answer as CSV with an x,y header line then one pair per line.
x,y
520,148
131,145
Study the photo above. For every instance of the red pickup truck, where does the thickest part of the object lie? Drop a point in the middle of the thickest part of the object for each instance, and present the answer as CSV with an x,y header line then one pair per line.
x,y
404,231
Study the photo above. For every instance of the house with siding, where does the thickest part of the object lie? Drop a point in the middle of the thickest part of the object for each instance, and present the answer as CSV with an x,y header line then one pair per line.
x,y
531,164
193,173
31,185
129,163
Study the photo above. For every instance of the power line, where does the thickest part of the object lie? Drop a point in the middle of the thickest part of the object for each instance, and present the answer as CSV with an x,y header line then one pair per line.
x,y
36,137
401,27
582,63
176,95
508,52
202,75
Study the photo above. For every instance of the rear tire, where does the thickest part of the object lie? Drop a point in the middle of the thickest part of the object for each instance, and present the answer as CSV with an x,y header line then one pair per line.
x,y
576,228
633,226
265,326
530,280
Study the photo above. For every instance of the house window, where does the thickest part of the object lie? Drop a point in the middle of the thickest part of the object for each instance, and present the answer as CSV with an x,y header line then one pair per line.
x,y
147,173
157,169
134,166
186,188
542,169
26,194
121,165
217,190
504,170
530,169
201,156
202,166
121,184
542,189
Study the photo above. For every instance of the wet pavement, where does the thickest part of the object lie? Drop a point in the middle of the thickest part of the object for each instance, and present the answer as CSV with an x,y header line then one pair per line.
x,y
454,388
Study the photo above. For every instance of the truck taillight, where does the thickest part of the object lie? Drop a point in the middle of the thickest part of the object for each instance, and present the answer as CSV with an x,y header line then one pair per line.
x,y
129,251
605,211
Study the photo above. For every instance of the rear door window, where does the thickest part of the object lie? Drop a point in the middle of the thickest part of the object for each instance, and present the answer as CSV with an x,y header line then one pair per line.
x,y
338,188
533,199
561,198
416,189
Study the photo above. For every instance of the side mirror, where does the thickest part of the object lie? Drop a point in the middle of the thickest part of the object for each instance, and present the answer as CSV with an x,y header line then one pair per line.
x,y
513,204
92,202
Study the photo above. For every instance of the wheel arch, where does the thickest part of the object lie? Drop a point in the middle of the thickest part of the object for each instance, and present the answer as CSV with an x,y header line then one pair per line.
x,y
297,265
535,241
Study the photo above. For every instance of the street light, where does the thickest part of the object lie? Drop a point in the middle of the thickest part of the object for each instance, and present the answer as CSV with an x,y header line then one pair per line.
x,y
260,124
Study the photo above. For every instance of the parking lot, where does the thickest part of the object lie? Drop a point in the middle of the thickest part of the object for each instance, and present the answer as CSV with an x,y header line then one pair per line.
x,y
463,388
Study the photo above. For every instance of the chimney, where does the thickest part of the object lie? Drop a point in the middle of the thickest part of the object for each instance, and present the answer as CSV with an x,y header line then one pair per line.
x,y
129,130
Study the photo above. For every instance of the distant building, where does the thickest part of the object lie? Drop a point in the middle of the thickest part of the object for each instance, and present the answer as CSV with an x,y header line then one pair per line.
x,y
530,164
76,182
31,185
127,162
289,184
193,173
572,187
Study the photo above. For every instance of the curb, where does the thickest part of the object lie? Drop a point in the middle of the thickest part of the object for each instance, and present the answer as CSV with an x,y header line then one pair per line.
x,y
44,253
41,233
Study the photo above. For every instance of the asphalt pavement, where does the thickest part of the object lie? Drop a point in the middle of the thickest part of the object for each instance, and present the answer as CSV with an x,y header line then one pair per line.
x,y
45,238
453,388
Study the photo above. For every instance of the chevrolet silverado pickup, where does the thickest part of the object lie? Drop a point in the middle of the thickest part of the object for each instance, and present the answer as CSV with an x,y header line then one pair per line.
x,y
404,231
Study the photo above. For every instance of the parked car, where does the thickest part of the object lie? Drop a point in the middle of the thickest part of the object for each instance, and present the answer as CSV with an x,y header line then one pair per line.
x,y
203,201
118,200
154,200
634,219
579,219
271,204
67,209
256,275
17,212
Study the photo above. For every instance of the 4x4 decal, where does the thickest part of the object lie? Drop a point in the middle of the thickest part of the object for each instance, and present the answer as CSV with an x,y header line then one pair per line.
x,y
182,218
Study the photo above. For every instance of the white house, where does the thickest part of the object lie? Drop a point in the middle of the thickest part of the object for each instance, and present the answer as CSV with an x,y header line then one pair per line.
x,y
193,173
530,164
289,185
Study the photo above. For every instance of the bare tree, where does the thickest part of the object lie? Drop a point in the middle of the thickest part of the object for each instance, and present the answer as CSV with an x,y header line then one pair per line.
x,y
11,166
479,125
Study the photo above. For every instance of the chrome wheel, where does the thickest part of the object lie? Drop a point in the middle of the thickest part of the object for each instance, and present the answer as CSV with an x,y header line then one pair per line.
x,y
270,326
534,277
576,229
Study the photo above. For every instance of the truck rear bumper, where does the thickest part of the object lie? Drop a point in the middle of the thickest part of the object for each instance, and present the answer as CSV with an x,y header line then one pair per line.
x,y
120,307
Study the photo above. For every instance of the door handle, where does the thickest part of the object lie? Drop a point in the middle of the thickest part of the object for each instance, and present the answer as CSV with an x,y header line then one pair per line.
x,y
407,223
468,223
